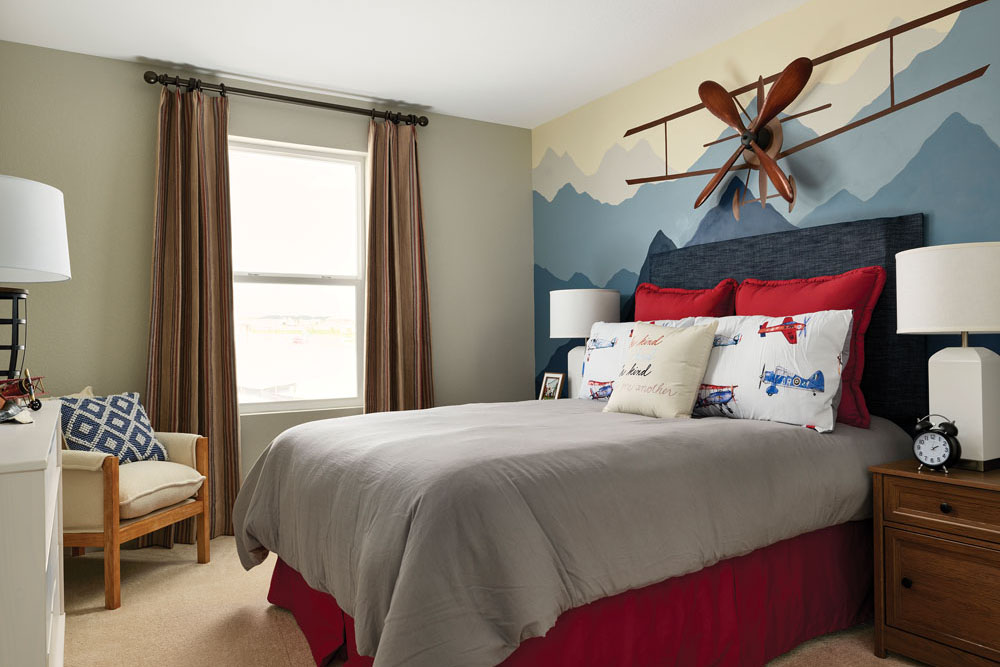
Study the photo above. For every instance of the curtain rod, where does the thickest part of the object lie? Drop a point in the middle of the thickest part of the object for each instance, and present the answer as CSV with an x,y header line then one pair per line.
x,y
152,77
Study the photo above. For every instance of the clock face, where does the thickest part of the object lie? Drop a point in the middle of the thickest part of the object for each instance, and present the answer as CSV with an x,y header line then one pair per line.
x,y
931,449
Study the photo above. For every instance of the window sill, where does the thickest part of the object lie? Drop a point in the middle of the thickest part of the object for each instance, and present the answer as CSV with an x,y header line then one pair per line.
x,y
343,410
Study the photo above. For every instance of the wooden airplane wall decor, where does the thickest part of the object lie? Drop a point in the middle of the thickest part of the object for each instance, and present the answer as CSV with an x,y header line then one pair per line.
x,y
761,138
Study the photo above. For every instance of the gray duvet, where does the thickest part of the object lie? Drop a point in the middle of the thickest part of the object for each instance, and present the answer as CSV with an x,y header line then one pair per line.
x,y
451,535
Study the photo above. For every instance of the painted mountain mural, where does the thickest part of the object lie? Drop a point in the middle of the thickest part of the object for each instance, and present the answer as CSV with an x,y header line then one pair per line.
x,y
952,179
939,157
720,225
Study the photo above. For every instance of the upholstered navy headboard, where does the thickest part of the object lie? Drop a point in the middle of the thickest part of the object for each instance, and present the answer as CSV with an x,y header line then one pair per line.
x,y
895,375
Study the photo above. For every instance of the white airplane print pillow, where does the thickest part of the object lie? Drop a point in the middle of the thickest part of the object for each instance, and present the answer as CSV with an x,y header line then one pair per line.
x,y
606,351
784,369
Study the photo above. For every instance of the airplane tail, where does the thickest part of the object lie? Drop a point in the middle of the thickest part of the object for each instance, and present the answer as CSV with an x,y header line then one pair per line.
x,y
816,381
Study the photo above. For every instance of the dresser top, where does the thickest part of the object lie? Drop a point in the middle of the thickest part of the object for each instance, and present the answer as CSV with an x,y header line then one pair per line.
x,y
26,446
971,478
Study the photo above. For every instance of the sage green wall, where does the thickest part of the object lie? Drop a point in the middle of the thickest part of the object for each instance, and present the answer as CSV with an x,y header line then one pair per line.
x,y
87,125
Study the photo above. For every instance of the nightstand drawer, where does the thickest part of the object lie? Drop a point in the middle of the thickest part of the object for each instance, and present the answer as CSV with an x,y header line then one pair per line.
x,y
945,507
943,590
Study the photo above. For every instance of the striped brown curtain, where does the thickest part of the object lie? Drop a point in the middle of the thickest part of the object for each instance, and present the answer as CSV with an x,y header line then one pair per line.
x,y
191,370
398,332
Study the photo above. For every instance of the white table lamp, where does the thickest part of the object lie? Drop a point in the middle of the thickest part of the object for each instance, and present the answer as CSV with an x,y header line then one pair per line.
x,y
955,289
33,249
571,314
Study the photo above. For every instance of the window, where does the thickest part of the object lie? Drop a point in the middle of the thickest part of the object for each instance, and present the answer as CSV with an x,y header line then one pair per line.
x,y
298,274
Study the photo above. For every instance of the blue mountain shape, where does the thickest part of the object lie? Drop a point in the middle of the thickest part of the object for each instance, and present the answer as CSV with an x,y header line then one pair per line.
x,y
660,243
720,225
841,207
952,180
624,281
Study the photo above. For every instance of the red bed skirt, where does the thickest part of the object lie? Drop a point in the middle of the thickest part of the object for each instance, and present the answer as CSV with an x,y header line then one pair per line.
x,y
741,611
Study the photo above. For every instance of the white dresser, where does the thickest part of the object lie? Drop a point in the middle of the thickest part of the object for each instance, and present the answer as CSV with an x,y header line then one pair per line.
x,y
32,618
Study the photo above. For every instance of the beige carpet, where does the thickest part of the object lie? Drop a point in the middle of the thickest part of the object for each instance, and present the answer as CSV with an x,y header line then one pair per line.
x,y
177,613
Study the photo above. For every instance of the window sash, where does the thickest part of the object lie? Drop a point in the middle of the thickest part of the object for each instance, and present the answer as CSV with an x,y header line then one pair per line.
x,y
356,281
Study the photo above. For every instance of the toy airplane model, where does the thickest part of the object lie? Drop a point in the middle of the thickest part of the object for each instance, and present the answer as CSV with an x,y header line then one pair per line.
x,y
761,138
15,391
783,377
787,327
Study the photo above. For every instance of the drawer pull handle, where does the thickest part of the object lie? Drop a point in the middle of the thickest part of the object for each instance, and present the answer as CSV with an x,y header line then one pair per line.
x,y
946,508
906,582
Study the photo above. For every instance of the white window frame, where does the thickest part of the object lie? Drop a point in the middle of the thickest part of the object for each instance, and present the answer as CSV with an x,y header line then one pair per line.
x,y
359,159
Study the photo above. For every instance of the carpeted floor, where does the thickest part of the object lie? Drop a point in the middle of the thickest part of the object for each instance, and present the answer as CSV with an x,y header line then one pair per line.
x,y
177,613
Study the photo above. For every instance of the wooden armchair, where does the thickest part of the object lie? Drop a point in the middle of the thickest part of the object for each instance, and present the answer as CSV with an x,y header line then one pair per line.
x,y
106,504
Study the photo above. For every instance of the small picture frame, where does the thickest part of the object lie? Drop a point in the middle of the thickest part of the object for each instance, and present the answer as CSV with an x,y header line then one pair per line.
x,y
551,386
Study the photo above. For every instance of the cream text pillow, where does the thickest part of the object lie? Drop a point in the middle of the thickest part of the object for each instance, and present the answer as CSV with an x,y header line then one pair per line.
x,y
663,369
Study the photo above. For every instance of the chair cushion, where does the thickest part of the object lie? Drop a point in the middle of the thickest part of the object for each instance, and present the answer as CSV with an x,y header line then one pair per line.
x,y
114,424
146,486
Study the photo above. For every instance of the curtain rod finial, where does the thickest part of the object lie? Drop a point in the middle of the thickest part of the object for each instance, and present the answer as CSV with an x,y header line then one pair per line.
x,y
150,76
422,121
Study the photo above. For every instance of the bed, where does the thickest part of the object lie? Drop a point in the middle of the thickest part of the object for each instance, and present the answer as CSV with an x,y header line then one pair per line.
x,y
551,533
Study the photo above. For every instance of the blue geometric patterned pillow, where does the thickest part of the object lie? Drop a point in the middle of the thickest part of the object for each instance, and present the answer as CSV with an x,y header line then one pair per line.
x,y
114,424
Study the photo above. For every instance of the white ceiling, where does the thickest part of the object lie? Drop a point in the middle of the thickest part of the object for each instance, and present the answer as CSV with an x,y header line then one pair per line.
x,y
517,62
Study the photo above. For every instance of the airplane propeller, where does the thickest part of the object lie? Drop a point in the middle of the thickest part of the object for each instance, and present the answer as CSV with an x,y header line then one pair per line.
x,y
756,138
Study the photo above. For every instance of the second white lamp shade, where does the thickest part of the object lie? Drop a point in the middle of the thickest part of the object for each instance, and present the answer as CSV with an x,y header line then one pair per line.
x,y
948,289
573,311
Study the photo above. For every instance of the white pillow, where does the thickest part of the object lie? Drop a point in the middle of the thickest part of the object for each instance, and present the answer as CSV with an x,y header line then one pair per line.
x,y
606,350
784,369
663,370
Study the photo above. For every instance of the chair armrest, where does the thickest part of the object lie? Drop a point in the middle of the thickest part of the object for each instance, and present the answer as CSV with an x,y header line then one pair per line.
x,y
80,460
180,448
90,484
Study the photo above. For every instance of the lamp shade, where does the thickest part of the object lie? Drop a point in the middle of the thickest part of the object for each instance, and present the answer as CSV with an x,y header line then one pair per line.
x,y
948,289
33,245
573,311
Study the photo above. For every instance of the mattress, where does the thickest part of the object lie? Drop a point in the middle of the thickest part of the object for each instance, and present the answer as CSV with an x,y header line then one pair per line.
x,y
452,535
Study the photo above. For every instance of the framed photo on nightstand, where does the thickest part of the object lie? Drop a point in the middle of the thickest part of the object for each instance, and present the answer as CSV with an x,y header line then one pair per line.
x,y
551,386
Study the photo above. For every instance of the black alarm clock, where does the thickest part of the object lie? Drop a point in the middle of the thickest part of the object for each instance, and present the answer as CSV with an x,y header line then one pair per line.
x,y
936,446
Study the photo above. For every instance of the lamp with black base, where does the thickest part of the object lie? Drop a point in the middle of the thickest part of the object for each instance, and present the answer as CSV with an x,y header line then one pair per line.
x,y
33,249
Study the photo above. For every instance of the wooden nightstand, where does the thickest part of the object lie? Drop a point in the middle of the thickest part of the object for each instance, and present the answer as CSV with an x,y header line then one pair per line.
x,y
937,564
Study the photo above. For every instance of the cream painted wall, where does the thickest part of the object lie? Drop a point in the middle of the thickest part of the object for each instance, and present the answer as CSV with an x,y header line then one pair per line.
x,y
87,126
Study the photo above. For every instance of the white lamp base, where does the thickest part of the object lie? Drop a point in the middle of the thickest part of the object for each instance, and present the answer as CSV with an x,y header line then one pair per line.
x,y
574,370
964,386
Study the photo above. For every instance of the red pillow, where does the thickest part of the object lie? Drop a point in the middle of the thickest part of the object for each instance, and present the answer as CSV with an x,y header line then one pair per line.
x,y
674,303
856,290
